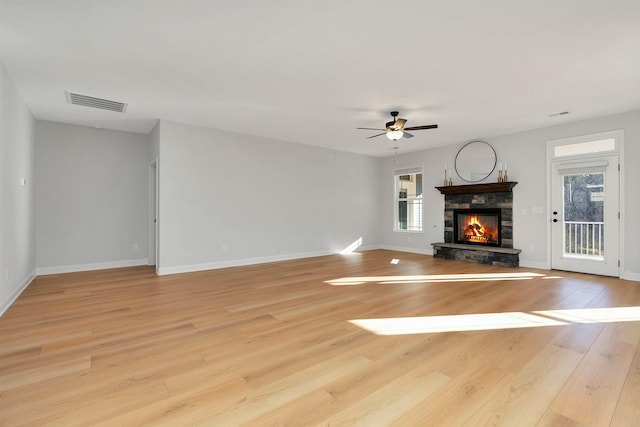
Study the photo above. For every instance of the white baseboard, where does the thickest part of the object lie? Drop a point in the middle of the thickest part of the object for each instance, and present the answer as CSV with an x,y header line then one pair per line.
x,y
425,251
238,262
249,261
534,264
627,275
429,251
4,305
87,267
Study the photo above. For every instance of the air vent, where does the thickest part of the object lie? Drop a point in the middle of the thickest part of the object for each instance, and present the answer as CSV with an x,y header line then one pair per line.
x,y
94,102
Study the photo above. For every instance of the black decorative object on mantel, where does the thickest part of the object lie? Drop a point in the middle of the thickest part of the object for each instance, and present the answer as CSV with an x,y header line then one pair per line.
x,y
481,198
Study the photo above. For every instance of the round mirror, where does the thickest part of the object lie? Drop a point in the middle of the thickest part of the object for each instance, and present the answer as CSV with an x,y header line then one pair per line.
x,y
475,161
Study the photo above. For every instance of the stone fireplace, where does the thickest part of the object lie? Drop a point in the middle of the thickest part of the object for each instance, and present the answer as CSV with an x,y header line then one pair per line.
x,y
478,224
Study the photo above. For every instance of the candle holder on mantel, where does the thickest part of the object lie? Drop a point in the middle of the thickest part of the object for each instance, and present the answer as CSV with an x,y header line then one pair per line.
x,y
447,182
502,174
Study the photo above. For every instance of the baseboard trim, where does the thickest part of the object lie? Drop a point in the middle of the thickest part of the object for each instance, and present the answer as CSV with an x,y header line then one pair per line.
x,y
162,271
4,306
42,271
425,251
238,262
627,275
533,264
429,251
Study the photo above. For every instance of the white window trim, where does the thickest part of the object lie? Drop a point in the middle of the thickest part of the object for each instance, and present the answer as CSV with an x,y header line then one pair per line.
x,y
406,170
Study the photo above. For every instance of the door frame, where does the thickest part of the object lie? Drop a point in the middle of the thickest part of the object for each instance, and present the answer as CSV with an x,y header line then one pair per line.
x,y
153,215
618,136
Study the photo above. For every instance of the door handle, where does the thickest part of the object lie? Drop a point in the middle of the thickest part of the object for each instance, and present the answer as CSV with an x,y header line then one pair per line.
x,y
555,220
555,212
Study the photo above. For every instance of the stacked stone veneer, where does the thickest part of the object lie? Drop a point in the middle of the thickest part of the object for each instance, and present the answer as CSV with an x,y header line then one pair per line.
x,y
505,255
502,200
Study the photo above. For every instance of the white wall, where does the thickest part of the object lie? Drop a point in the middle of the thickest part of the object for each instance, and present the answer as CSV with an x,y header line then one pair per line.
x,y
232,199
17,238
154,143
91,198
525,154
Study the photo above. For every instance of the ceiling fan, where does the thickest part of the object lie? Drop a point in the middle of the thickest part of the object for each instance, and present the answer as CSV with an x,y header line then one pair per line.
x,y
396,130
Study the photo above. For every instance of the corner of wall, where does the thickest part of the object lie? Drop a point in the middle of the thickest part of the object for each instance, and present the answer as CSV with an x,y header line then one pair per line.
x,y
17,192
10,299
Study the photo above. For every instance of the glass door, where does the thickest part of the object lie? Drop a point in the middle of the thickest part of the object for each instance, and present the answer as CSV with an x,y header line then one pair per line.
x,y
584,216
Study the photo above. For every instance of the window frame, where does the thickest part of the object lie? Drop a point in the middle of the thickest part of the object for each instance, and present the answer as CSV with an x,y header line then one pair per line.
x,y
409,200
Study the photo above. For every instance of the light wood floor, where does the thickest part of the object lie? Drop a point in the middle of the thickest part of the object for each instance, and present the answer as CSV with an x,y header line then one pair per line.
x,y
273,344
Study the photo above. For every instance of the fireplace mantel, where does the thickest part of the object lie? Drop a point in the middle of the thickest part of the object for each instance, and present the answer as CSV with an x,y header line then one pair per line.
x,y
493,187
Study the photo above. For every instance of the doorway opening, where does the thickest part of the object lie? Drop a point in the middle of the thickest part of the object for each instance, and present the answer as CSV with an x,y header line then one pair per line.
x,y
585,206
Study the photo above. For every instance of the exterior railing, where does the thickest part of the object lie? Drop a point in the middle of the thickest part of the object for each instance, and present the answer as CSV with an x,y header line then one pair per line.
x,y
584,238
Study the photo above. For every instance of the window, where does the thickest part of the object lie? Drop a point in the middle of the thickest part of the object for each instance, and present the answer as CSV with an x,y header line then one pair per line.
x,y
579,147
408,199
588,147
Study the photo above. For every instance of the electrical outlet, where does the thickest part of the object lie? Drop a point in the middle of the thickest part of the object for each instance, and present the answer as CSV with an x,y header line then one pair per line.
x,y
225,248
134,247
532,248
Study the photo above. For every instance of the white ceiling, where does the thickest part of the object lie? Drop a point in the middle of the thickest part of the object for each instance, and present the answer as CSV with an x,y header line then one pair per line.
x,y
312,71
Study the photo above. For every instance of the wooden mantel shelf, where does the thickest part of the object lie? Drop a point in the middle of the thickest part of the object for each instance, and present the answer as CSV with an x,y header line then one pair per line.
x,y
493,187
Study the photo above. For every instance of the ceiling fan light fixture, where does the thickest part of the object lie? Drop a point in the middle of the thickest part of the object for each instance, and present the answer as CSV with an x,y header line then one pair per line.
x,y
394,135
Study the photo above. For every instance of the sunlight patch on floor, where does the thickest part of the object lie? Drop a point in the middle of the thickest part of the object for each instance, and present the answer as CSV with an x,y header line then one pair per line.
x,y
430,278
491,321
455,323
594,315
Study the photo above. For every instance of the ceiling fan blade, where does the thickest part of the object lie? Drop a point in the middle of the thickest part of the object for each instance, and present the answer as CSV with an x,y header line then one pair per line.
x,y
373,136
407,135
421,127
399,124
371,128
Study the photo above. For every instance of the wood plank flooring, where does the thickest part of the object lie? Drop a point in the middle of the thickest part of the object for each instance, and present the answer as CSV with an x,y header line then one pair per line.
x,y
278,345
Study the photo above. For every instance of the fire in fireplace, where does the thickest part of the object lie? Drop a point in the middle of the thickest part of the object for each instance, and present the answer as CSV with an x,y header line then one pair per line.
x,y
477,226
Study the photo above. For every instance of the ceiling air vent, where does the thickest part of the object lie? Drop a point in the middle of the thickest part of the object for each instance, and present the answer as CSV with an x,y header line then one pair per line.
x,y
94,102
